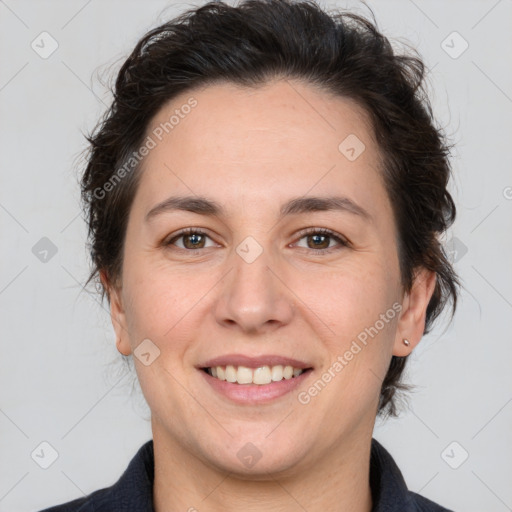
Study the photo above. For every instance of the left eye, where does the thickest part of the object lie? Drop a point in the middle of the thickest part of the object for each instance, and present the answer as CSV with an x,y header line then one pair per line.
x,y
320,239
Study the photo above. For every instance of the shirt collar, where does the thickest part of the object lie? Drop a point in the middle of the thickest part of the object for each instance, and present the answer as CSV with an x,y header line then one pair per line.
x,y
389,491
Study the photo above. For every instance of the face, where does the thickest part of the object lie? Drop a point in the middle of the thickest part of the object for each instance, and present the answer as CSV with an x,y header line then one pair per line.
x,y
270,278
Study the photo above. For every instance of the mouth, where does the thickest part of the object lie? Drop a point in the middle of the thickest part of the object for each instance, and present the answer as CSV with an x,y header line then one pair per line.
x,y
258,380
260,376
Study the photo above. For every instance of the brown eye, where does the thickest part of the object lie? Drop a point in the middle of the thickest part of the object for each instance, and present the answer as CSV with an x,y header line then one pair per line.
x,y
192,239
195,240
319,240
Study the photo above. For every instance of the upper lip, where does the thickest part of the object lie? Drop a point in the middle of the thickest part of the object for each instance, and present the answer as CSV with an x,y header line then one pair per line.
x,y
254,362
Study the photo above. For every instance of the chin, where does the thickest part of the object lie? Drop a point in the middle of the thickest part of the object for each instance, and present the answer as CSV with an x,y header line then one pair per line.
x,y
253,457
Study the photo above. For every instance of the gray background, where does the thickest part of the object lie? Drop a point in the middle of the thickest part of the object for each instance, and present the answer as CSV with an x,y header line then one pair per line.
x,y
62,380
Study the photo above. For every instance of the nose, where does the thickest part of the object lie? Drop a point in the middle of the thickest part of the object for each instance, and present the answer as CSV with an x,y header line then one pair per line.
x,y
255,297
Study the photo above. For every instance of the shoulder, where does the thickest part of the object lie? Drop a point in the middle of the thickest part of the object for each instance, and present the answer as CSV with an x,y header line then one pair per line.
x,y
389,490
96,501
422,504
133,490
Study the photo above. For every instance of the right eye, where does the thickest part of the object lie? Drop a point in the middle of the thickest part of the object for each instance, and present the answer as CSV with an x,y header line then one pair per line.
x,y
193,239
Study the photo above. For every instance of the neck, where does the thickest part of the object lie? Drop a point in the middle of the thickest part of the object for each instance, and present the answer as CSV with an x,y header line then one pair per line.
x,y
339,481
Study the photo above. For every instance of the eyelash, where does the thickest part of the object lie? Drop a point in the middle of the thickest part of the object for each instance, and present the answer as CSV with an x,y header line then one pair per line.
x,y
302,234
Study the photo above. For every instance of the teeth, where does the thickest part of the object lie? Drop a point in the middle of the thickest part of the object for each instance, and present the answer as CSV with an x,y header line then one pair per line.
x,y
244,375
277,373
231,373
261,375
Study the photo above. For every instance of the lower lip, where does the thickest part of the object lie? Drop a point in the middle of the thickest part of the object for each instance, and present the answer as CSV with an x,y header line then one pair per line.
x,y
255,393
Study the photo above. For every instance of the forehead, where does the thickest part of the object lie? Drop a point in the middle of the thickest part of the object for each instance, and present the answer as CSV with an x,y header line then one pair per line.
x,y
284,138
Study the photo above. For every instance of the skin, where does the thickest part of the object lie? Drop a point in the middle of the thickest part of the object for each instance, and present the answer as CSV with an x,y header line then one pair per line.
x,y
251,150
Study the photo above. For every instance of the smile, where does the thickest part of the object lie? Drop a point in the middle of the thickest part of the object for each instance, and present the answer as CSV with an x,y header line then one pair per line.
x,y
260,376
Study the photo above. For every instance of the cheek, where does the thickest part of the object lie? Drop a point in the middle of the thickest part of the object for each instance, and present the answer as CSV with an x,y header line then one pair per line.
x,y
155,301
351,297
160,308
359,305
169,306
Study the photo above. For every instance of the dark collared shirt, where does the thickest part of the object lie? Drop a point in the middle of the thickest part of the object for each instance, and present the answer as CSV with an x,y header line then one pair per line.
x,y
133,492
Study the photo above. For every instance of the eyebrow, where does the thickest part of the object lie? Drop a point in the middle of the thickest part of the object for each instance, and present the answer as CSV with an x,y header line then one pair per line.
x,y
296,206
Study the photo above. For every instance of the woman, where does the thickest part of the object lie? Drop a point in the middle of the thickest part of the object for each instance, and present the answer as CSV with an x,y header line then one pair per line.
x,y
265,198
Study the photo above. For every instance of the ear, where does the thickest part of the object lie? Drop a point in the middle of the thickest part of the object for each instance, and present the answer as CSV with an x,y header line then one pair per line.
x,y
117,315
411,323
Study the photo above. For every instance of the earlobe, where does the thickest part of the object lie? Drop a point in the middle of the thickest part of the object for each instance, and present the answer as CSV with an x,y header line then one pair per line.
x,y
117,315
411,323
